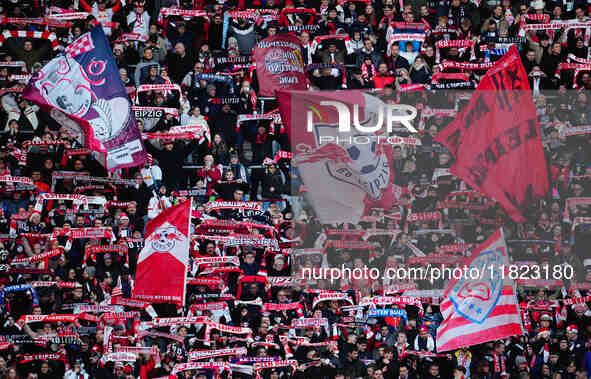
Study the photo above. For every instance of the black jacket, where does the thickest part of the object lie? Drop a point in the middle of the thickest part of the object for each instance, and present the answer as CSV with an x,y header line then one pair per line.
x,y
179,66
356,84
224,124
226,190
171,162
549,64
272,181
215,36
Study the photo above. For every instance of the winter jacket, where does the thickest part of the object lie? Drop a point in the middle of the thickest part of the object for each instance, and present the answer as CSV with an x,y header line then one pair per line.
x,y
246,38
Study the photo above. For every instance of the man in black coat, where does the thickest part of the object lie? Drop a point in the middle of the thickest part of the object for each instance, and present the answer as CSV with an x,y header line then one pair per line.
x,y
171,160
215,33
179,63
351,363
224,124
550,61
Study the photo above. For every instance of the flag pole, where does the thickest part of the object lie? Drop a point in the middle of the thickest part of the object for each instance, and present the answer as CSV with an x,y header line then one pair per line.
x,y
514,285
189,239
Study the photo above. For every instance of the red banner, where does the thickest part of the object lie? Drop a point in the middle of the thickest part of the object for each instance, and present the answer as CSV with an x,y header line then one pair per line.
x,y
162,263
496,142
279,64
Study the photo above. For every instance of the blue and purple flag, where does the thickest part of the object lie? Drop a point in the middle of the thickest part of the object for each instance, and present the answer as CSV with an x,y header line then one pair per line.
x,y
83,91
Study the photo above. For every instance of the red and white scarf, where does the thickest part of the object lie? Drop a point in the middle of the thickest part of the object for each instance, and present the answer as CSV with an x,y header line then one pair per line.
x,y
214,306
48,318
130,302
57,284
16,179
165,12
216,366
40,257
59,196
459,43
118,357
465,65
499,362
78,233
41,357
207,354
331,296
216,205
209,260
259,366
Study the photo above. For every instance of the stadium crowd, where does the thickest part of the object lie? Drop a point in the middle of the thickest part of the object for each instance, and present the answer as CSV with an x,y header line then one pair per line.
x,y
65,298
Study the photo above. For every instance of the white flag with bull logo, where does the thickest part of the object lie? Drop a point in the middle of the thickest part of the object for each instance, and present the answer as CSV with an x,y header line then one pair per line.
x,y
339,143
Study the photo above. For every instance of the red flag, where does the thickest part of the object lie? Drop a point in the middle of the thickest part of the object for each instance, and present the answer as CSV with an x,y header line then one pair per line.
x,y
162,263
495,140
279,64
481,306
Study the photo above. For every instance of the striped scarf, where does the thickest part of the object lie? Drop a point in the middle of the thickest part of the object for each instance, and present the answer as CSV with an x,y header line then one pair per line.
x,y
499,361
167,92
368,71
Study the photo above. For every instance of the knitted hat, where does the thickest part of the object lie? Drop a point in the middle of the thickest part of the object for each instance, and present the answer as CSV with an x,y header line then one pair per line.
x,y
545,317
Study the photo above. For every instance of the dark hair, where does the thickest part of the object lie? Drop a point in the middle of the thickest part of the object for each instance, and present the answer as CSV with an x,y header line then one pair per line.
x,y
349,348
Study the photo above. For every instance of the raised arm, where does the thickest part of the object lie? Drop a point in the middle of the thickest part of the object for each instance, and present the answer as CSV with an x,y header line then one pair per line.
x,y
117,6
85,6
30,332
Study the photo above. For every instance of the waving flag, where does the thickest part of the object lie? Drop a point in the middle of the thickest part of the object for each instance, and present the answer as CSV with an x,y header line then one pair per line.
x,y
345,171
279,64
162,263
495,140
83,91
483,309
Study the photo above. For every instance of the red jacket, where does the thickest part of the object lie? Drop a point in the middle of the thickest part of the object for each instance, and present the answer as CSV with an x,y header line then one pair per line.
x,y
147,368
210,176
381,81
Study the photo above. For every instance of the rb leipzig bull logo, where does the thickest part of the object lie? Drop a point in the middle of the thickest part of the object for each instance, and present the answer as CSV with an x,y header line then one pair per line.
x,y
70,87
364,165
475,299
165,238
